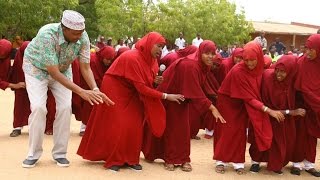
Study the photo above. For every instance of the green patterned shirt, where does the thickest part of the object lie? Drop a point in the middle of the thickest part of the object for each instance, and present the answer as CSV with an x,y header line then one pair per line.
x,y
50,48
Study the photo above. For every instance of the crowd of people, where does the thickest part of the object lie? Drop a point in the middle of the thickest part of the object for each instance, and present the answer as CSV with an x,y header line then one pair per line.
x,y
128,105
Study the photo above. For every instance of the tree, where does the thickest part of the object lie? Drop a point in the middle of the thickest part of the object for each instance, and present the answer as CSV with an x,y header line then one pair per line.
x,y
20,17
214,19
88,9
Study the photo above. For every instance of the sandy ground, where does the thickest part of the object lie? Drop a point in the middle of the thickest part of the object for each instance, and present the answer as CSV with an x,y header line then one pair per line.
x,y
14,150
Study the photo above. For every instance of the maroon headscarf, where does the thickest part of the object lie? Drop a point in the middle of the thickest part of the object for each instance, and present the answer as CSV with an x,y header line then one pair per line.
x,y
17,74
5,48
107,52
280,95
176,80
308,81
238,52
140,67
186,51
267,61
121,50
243,83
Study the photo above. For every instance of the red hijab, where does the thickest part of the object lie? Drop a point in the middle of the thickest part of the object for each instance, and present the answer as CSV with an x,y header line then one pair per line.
x,y
308,81
276,94
17,74
107,52
121,50
140,67
5,48
243,83
267,61
186,51
179,78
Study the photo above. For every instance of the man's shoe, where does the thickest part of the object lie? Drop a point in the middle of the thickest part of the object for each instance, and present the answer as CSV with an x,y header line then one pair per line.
x,y
27,163
255,168
136,167
295,171
15,133
313,172
114,168
62,162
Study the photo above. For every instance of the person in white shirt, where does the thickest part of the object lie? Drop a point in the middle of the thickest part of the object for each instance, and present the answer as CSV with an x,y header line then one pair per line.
x,y
262,40
197,41
180,42
119,45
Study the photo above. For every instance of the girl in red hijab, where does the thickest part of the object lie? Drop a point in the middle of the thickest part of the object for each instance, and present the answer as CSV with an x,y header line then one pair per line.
x,y
185,76
227,64
308,84
114,134
171,57
212,93
99,62
278,93
239,99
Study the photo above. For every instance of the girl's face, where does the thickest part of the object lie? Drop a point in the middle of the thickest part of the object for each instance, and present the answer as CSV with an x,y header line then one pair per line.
x,y
281,74
311,53
207,58
251,63
237,59
156,50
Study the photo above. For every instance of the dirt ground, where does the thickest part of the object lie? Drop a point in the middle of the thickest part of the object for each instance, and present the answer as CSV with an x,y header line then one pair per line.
x,y
13,152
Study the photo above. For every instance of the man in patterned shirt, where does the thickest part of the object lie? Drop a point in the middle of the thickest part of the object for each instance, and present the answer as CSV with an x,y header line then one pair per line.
x,y
46,66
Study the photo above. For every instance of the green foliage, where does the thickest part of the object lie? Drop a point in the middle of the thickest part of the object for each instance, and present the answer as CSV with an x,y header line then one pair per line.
x,y
88,9
214,19
25,17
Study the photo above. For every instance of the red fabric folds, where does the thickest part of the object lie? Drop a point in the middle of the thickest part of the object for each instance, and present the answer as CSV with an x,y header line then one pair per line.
x,y
239,99
185,76
279,96
5,49
308,83
171,57
114,133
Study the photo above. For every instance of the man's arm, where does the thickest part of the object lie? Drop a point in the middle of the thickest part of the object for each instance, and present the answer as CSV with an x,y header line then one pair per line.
x,y
93,97
87,74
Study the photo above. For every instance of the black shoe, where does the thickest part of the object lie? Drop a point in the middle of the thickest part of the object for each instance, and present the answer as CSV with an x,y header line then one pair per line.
x,y
136,167
27,163
62,162
15,133
255,168
114,168
295,171
278,172
313,172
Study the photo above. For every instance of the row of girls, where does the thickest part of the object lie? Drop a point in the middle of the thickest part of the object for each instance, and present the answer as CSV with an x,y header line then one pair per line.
x,y
13,77
231,93
201,90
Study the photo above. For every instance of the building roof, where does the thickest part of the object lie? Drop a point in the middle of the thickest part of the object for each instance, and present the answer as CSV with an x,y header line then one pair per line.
x,y
281,28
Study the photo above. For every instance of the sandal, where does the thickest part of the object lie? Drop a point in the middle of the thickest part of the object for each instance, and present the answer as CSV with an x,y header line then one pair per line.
x,y
241,171
169,167
313,172
15,133
186,167
295,171
220,169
